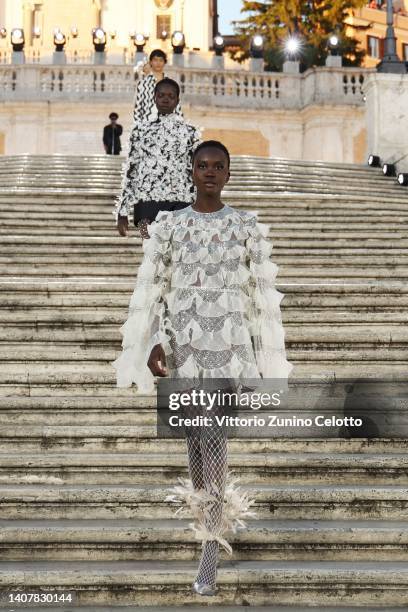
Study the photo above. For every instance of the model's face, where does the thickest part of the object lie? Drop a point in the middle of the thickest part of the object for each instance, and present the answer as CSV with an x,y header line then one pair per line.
x,y
157,64
210,171
166,99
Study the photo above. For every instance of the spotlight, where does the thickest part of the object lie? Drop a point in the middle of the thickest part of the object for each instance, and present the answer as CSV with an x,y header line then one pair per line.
x,y
333,44
99,39
389,170
17,39
3,32
37,32
140,41
59,41
164,35
292,46
403,178
257,46
374,161
74,32
219,44
178,42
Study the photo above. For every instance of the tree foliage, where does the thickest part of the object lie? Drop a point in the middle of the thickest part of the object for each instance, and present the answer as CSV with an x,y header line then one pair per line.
x,y
312,21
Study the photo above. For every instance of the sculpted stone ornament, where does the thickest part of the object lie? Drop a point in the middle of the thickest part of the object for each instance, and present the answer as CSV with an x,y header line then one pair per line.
x,y
163,4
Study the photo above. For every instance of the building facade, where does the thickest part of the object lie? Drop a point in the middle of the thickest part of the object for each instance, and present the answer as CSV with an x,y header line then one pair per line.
x,y
197,19
373,16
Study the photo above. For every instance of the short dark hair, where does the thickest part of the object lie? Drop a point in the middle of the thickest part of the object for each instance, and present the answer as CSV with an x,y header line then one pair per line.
x,y
158,53
167,81
114,116
212,144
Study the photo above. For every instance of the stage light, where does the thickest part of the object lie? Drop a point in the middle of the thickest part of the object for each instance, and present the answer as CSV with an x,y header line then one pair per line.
x,y
164,35
374,161
59,41
219,44
74,32
292,46
17,39
132,34
389,170
99,39
178,42
37,32
334,41
403,178
140,41
113,34
3,32
257,46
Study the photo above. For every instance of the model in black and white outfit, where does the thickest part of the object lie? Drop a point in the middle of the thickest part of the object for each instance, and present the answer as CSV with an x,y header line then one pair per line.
x,y
152,72
158,172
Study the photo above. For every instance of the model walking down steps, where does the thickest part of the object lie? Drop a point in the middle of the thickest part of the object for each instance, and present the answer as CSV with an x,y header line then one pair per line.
x,y
205,306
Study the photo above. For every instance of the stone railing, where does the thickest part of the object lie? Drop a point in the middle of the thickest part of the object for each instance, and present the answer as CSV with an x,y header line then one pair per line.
x,y
243,89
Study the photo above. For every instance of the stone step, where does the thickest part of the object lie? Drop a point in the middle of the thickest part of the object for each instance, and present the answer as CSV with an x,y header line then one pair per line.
x,y
166,540
306,219
13,261
309,272
318,186
26,252
36,353
214,608
51,302
64,331
95,286
238,165
294,244
246,583
283,501
373,311
251,200
114,308
51,468
94,373
142,439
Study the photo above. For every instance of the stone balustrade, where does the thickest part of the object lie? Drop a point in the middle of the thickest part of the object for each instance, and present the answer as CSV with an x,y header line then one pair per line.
x,y
237,89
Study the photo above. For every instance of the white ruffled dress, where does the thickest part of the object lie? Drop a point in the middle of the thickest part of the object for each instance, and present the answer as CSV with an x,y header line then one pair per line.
x,y
206,291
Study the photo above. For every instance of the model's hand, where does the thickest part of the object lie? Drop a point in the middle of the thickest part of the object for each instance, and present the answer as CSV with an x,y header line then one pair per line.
x,y
123,226
147,69
157,361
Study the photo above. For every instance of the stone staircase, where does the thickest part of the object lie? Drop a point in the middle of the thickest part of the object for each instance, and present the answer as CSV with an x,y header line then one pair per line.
x,y
82,474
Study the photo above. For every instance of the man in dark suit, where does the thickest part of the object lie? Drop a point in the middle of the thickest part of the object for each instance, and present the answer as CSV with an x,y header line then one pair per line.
x,y
111,135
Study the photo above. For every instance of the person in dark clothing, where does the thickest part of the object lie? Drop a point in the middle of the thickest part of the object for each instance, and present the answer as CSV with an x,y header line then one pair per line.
x,y
111,136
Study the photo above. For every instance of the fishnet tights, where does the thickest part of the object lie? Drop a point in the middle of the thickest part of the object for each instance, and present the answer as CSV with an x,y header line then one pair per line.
x,y
207,464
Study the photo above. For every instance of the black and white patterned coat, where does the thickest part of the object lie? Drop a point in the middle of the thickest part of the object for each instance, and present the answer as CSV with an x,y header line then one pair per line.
x,y
145,107
159,163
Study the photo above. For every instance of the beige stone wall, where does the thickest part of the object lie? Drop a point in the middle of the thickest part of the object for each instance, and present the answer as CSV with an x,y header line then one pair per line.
x,y
240,142
317,133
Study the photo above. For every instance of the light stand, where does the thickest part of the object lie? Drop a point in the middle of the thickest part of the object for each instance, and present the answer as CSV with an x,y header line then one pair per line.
x,y
391,63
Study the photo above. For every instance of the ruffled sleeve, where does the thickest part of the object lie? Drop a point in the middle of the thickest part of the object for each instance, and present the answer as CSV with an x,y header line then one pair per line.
x,y
145,325
265,317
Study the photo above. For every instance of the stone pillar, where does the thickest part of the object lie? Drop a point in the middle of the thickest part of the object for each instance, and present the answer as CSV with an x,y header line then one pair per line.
x,y
256,64
387,117
291,67
334,61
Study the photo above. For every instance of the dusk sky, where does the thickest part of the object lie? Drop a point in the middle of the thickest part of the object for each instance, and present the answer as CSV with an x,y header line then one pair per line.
x,y
228,11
